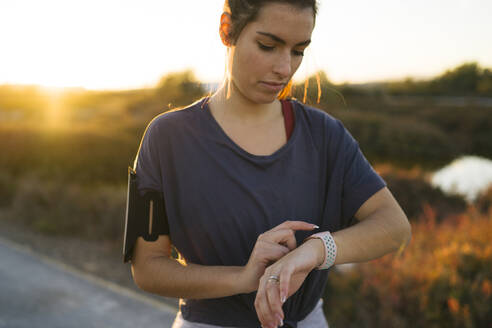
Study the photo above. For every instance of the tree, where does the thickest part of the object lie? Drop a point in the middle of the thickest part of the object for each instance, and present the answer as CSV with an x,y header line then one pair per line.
x,y
463,80
178,89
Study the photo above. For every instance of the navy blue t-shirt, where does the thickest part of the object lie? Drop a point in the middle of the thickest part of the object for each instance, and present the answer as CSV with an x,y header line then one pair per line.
x,y
220,198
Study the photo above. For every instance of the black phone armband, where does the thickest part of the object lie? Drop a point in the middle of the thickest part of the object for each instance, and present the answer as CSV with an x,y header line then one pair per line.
x,y
145,216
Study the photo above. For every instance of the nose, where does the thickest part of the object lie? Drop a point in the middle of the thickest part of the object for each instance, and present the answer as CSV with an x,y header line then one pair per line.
x,y
283,65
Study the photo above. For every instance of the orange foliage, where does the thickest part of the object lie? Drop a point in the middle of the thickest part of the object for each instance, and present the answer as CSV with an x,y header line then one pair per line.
x,y
453,305
486,288
442,279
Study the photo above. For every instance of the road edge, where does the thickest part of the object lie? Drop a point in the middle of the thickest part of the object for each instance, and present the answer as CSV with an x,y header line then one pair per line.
x,y
89,277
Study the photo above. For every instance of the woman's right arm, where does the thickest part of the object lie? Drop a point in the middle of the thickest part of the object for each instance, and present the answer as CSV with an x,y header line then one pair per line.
x,y
156,272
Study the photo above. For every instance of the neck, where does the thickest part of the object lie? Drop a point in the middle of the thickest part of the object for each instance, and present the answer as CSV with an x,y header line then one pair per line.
x,y
239,109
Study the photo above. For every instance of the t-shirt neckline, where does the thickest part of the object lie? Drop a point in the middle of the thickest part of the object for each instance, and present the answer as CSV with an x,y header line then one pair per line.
x,y
274,155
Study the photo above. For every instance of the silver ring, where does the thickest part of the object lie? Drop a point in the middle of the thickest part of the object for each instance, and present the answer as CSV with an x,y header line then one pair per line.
x,y
274,278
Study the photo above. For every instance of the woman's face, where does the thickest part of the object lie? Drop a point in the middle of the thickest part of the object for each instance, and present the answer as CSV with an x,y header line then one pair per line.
x,y
269,50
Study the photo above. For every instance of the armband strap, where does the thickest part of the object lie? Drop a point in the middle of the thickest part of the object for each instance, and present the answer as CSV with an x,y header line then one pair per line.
x,y
145,216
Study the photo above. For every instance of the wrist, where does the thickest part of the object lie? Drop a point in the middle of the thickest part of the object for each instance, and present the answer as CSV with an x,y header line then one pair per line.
x,y
316,249
244,282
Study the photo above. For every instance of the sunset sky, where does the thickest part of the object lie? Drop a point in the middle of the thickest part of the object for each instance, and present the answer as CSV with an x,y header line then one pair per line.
x,y
113,44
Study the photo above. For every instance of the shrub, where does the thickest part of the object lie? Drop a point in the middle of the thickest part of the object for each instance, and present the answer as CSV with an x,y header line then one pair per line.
x,y
414,193
57,207
400,141
7,189
86,156
484,201
442,279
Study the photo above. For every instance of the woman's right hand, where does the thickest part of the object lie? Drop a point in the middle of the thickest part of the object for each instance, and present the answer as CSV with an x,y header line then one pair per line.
x,y
270,247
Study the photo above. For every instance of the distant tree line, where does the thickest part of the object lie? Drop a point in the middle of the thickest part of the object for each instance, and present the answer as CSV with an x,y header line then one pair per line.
x,y
468,79
417,134
180,88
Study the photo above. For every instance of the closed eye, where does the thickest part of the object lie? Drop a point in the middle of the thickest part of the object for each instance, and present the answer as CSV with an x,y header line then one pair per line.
x,y
298,53
265,47
270,48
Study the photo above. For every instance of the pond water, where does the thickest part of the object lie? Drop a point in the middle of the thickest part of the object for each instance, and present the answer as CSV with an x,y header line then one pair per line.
x,y
468,176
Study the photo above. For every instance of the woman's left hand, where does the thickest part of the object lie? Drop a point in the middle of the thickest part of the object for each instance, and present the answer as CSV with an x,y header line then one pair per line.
x,y
292,270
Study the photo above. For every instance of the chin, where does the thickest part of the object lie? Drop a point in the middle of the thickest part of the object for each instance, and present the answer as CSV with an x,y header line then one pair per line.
x,y
266,101
264,98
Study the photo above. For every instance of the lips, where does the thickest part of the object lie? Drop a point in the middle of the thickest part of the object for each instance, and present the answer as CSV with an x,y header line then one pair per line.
x,y
273,86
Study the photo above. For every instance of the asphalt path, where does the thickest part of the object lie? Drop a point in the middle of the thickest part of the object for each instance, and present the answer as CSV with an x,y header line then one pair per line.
x,y
36,291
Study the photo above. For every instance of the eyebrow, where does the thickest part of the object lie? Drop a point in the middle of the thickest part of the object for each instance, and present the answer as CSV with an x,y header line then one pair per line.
x,y
279,40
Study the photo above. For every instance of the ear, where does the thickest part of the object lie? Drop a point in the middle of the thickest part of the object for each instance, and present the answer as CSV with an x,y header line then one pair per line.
x,y
225,29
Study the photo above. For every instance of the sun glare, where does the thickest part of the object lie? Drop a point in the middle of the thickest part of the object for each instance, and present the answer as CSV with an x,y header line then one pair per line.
x,y
54,109
122,44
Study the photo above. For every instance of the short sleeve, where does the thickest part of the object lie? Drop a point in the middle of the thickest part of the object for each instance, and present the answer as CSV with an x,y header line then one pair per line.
x,y
147,163
360,181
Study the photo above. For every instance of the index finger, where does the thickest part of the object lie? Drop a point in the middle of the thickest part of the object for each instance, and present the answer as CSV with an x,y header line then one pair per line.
x,y
295,225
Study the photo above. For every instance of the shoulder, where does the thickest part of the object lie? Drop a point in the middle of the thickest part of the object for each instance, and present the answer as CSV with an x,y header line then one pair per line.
x,y
174,119
177,115
319,120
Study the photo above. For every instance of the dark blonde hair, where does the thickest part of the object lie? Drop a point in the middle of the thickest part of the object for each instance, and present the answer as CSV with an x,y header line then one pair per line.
x,y
243,12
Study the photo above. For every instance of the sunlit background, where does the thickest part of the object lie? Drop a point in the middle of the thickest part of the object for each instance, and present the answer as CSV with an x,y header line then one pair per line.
x,y
114,44
411,81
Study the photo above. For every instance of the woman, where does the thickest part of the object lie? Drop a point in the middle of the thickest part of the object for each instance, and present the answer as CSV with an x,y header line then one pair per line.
x,y
260,193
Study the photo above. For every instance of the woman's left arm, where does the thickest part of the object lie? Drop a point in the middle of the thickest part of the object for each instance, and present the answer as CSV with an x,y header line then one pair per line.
x,y
382,228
